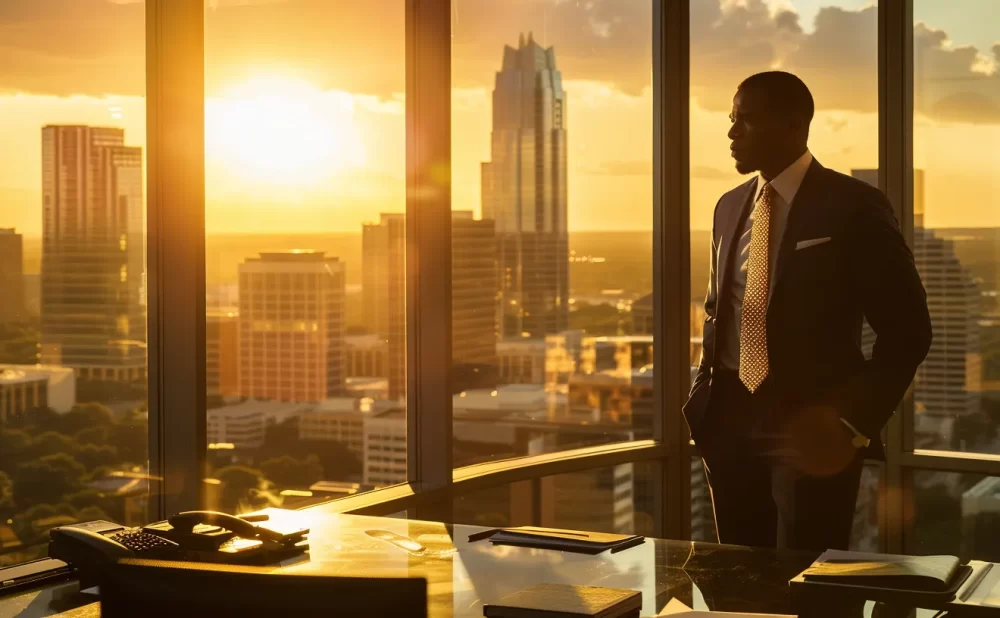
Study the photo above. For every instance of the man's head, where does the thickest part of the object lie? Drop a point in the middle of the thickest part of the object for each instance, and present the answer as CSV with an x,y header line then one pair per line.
x,y
770,122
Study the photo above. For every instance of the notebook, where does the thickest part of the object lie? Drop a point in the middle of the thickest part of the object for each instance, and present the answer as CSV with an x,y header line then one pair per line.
x,y
566,601
927,573
562,540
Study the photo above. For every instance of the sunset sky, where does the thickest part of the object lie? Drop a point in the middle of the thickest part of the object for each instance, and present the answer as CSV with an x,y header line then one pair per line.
x,y
305,123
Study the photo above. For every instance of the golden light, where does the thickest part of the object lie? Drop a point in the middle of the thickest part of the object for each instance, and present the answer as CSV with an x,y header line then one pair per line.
x,y
277,131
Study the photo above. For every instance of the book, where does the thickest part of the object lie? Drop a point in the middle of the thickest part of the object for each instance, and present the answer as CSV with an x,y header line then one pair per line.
x,y
566,601
917,573
563,540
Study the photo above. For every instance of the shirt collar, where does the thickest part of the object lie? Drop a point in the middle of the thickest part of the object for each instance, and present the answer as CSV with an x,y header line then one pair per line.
x,y
787,183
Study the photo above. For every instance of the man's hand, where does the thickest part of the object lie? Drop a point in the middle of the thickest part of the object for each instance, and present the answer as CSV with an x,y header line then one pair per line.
x,y
815,441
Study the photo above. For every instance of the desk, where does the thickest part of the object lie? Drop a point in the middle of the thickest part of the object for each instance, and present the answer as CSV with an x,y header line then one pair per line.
x,y
462,576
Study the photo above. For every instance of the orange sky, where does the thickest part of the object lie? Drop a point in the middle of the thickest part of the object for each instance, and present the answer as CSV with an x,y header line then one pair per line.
x,y
305,124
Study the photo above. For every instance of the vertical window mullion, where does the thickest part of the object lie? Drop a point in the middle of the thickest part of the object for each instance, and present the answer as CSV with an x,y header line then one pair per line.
x,y
175,103
428,245
895,44
671,263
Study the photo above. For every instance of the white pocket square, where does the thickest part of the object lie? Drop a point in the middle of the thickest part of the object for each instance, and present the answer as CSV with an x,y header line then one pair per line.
x,y
805,244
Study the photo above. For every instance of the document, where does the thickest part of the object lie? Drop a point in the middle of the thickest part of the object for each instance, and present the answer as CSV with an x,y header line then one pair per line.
x,y
677,608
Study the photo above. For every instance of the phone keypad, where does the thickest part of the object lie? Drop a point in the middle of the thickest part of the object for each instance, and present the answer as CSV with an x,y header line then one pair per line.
x,y
142,542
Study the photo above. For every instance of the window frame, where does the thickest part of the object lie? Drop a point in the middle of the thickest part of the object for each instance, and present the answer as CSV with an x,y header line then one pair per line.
x,y
176,237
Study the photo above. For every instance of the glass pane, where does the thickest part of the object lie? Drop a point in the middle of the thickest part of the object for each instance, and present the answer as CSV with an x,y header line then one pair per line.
x,y
615,499
953,514
864,535
551,229
73,443
305,245
955,155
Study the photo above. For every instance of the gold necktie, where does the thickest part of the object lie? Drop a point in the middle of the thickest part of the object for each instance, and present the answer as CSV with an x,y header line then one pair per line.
x,y
754,366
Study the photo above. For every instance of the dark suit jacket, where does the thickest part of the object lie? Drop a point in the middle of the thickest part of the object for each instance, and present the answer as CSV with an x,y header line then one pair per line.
x,y
819,296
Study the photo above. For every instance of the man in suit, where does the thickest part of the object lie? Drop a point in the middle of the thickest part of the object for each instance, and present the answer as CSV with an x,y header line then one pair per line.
x,y
785,407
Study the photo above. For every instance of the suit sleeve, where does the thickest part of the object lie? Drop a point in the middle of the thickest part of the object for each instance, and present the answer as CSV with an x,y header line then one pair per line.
x,y
895,305
708,330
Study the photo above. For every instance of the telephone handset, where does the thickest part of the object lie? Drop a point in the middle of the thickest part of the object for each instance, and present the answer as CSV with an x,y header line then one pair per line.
x,y
185,523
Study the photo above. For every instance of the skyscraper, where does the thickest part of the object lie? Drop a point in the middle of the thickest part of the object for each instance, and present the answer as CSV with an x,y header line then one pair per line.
x,y
383,291
524,191
222,335
947,384
11,277
473,302
93,256
291,327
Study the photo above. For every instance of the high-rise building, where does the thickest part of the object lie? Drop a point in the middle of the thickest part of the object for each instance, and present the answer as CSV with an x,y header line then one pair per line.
x,y
383,291
947,384
291,327
474,293
222,336
93,255
524,192
473,302
11,277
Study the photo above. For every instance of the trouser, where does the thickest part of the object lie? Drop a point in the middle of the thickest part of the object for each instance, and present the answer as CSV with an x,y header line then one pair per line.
x,y
762,500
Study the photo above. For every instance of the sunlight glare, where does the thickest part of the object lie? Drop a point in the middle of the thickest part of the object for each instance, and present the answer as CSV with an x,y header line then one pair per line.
x,y
276,131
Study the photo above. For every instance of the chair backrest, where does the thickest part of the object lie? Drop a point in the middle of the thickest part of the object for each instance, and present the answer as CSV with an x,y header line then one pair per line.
x,y
156,588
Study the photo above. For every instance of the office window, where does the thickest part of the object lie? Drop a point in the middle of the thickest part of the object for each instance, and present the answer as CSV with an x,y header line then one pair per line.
x,y
955,514
833,47
551,226
305,195
955,239
615,499
73,442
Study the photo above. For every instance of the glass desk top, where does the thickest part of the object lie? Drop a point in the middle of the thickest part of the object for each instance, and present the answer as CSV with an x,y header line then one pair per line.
x,y
462,576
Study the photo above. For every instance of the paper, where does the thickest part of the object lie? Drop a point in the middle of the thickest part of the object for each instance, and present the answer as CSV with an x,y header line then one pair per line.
x,y
677,608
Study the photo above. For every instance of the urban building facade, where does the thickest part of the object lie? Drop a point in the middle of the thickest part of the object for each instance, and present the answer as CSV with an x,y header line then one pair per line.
x,y
524,192
222,337
93,253
291,321
473,302
383,289
12,307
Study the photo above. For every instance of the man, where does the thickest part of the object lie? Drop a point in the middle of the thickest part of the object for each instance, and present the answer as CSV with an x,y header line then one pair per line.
x,y
784,407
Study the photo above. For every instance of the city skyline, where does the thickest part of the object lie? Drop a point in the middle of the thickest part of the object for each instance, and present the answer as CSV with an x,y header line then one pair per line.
x,y
290,181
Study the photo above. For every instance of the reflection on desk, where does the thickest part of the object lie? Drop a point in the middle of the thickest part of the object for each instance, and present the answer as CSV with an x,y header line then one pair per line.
x,y
462,576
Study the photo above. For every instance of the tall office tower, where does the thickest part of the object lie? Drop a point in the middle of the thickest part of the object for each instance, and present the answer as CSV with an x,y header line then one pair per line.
x,y
222,336
948,383
473,302
383,291
524,191
93,255
11,277
291,327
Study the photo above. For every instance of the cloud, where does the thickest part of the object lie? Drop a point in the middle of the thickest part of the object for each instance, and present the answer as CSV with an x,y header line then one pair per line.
x,y
620,168
96,47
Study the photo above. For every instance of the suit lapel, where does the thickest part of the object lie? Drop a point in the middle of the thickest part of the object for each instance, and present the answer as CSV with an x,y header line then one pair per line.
x,y
806,198
730,240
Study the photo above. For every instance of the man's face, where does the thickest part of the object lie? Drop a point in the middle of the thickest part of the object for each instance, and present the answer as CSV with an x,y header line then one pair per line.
x,y
756,134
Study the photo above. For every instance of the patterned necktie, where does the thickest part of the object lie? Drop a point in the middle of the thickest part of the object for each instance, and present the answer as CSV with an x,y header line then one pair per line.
x,y
753,323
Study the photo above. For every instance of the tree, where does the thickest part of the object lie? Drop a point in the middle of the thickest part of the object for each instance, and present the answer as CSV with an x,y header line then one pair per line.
x,y
129,436
51,443
13,448
6,494
289,473
240,485
83,416
93,435
93,456
19,343
48,479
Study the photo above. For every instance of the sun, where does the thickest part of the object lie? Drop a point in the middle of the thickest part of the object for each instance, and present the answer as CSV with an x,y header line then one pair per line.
x,y
282,132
